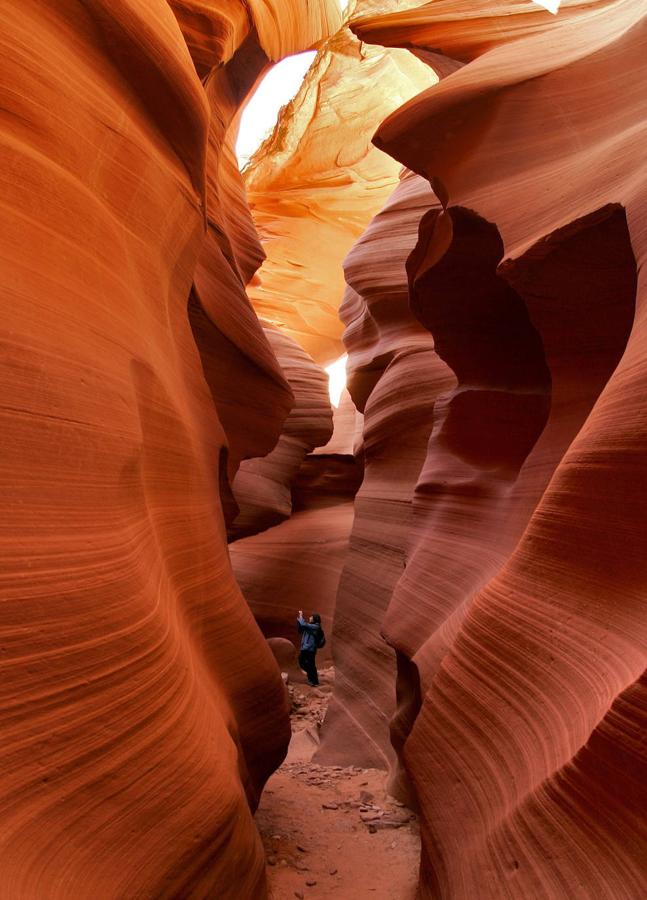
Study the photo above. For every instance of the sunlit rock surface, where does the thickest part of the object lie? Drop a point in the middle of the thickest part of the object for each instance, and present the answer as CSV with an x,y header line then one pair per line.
x,y
315,183
520,613
141,708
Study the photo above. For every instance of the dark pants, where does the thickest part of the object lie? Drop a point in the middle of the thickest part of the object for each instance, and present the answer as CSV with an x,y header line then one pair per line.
x,y
308,664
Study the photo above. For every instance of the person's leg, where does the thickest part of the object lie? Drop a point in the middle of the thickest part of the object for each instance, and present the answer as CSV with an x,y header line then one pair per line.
x,y
313,675
303,662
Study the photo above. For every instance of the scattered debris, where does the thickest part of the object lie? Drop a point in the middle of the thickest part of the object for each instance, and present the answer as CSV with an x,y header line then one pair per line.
x,y
310,809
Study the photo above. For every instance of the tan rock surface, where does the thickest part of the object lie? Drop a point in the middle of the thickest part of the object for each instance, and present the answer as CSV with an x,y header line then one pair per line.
x,y
315,183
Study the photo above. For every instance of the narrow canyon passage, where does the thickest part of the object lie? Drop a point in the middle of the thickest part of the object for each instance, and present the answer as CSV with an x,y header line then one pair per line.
x,y
452,208
333,831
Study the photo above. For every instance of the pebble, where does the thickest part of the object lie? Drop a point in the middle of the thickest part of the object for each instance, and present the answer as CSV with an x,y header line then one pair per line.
x,y
311,883
271,860
299,894
329,806
332,872
371,815
301,849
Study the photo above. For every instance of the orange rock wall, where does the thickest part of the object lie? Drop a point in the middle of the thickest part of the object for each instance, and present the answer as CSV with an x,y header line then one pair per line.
x,y
518,618
262,487
290,538
141,709
394,378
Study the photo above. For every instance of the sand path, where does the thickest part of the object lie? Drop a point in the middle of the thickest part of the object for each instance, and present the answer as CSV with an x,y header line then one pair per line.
x,y
330,831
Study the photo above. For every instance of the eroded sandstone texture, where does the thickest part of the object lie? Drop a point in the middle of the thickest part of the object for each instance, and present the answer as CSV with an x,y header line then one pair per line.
x,y
488,629
519,620
141,708
263,485
315,183
290,537
394,378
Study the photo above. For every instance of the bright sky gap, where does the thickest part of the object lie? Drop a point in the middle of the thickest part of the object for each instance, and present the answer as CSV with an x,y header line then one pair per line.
x,y
279,86
337,379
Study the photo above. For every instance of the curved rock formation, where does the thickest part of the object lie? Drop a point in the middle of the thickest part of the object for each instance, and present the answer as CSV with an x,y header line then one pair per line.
x,y
394,378
236,50
297,563
141,708
315,183
262,487
518,615
490,609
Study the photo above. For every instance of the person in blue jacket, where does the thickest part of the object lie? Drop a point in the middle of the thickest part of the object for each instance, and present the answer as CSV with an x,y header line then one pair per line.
x,y
312,638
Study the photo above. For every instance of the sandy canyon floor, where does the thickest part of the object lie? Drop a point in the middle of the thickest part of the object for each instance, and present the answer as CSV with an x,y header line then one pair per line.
x,y
330,831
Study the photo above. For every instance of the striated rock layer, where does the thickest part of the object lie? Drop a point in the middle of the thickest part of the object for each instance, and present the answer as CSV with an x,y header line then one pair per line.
x,y
316,182
296,564
141,708
262,487
519,618
394,376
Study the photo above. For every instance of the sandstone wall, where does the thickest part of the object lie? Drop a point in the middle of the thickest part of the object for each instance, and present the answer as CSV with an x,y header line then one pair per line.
x,y
394,378
263,485
518,617
141,709
317,180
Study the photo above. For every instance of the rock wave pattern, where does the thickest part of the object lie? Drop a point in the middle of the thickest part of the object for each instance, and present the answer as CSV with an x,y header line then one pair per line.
x,y
141,710
484,592
519,621
317,180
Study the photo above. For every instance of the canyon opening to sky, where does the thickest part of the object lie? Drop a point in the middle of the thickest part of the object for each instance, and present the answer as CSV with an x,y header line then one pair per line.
x,y
334,308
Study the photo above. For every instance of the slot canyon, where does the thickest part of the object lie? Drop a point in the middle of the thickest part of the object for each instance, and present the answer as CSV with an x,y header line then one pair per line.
x,y
456,200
